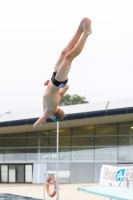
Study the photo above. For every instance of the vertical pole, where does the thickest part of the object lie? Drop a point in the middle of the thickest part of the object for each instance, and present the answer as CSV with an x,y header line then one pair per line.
x,y
57,151
44,185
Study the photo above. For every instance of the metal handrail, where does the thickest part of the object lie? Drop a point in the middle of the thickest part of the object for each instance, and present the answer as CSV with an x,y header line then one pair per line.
x,y
126,179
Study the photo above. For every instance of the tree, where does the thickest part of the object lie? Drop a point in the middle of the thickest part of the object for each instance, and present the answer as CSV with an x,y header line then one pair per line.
x,y
68,99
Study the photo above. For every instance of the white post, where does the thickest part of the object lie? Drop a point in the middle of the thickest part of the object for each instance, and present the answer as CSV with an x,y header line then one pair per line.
x,y
57,151
57,178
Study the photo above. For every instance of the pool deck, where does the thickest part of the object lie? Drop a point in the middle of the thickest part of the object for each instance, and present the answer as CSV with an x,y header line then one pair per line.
x,y
66,191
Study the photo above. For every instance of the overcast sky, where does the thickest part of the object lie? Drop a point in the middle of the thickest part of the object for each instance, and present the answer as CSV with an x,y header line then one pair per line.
x,y
32,34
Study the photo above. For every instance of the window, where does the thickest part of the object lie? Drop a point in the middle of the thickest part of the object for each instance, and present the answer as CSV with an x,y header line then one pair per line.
x,y
106,129
14,155
2,142
64,153
82,141
82,154
125,128
52,154
1,154
63,141
125,153
43,142
106,154
83,131
125,140
106,141
62,132
32,155
43,154
15,142
33,142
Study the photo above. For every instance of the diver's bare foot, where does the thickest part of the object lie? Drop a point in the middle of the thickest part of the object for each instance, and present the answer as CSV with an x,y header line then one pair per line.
x,y
81,27
87,26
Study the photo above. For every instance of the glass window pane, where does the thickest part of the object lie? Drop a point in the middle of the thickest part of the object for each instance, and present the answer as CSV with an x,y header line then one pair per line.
x,y
83,131
125,153
64,153
106,154
1,154
44,154
33,142
2,135
106,141
44,133
32,155
33,134
15,142
125,140
82,154
16,135
52,141
106,129
2,142
44,142
14,155
82,141
126,128
62,132
52,154
63,141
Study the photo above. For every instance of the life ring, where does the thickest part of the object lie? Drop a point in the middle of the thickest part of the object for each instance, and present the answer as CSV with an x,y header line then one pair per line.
x,y
51,194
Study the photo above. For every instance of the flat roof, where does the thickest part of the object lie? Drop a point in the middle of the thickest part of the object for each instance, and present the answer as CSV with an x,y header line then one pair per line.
x,y
73,112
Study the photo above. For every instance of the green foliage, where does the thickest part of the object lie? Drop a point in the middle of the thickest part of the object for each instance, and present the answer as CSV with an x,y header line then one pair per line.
x,y
68,99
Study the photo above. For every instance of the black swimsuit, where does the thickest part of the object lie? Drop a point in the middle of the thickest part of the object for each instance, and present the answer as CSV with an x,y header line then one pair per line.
x,y
57,83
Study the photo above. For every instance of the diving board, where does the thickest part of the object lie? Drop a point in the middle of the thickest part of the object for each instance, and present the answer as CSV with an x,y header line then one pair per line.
x,y
112,192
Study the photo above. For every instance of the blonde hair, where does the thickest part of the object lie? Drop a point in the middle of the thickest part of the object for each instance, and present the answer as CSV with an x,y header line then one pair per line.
x,y
60,114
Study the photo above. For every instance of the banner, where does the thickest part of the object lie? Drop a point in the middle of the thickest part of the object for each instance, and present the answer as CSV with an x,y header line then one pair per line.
x,y
112,175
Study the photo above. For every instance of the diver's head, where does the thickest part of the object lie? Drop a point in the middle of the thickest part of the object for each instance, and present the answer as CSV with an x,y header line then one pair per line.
x,y
59,115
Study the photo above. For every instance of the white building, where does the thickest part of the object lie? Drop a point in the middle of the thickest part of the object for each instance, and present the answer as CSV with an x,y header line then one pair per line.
x,y
90,135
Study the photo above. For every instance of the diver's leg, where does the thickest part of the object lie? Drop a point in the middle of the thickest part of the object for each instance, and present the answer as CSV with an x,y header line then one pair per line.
x,y
70,45
64,68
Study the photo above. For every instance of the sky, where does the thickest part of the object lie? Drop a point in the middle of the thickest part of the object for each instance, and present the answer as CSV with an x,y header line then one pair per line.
x,y
33,33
